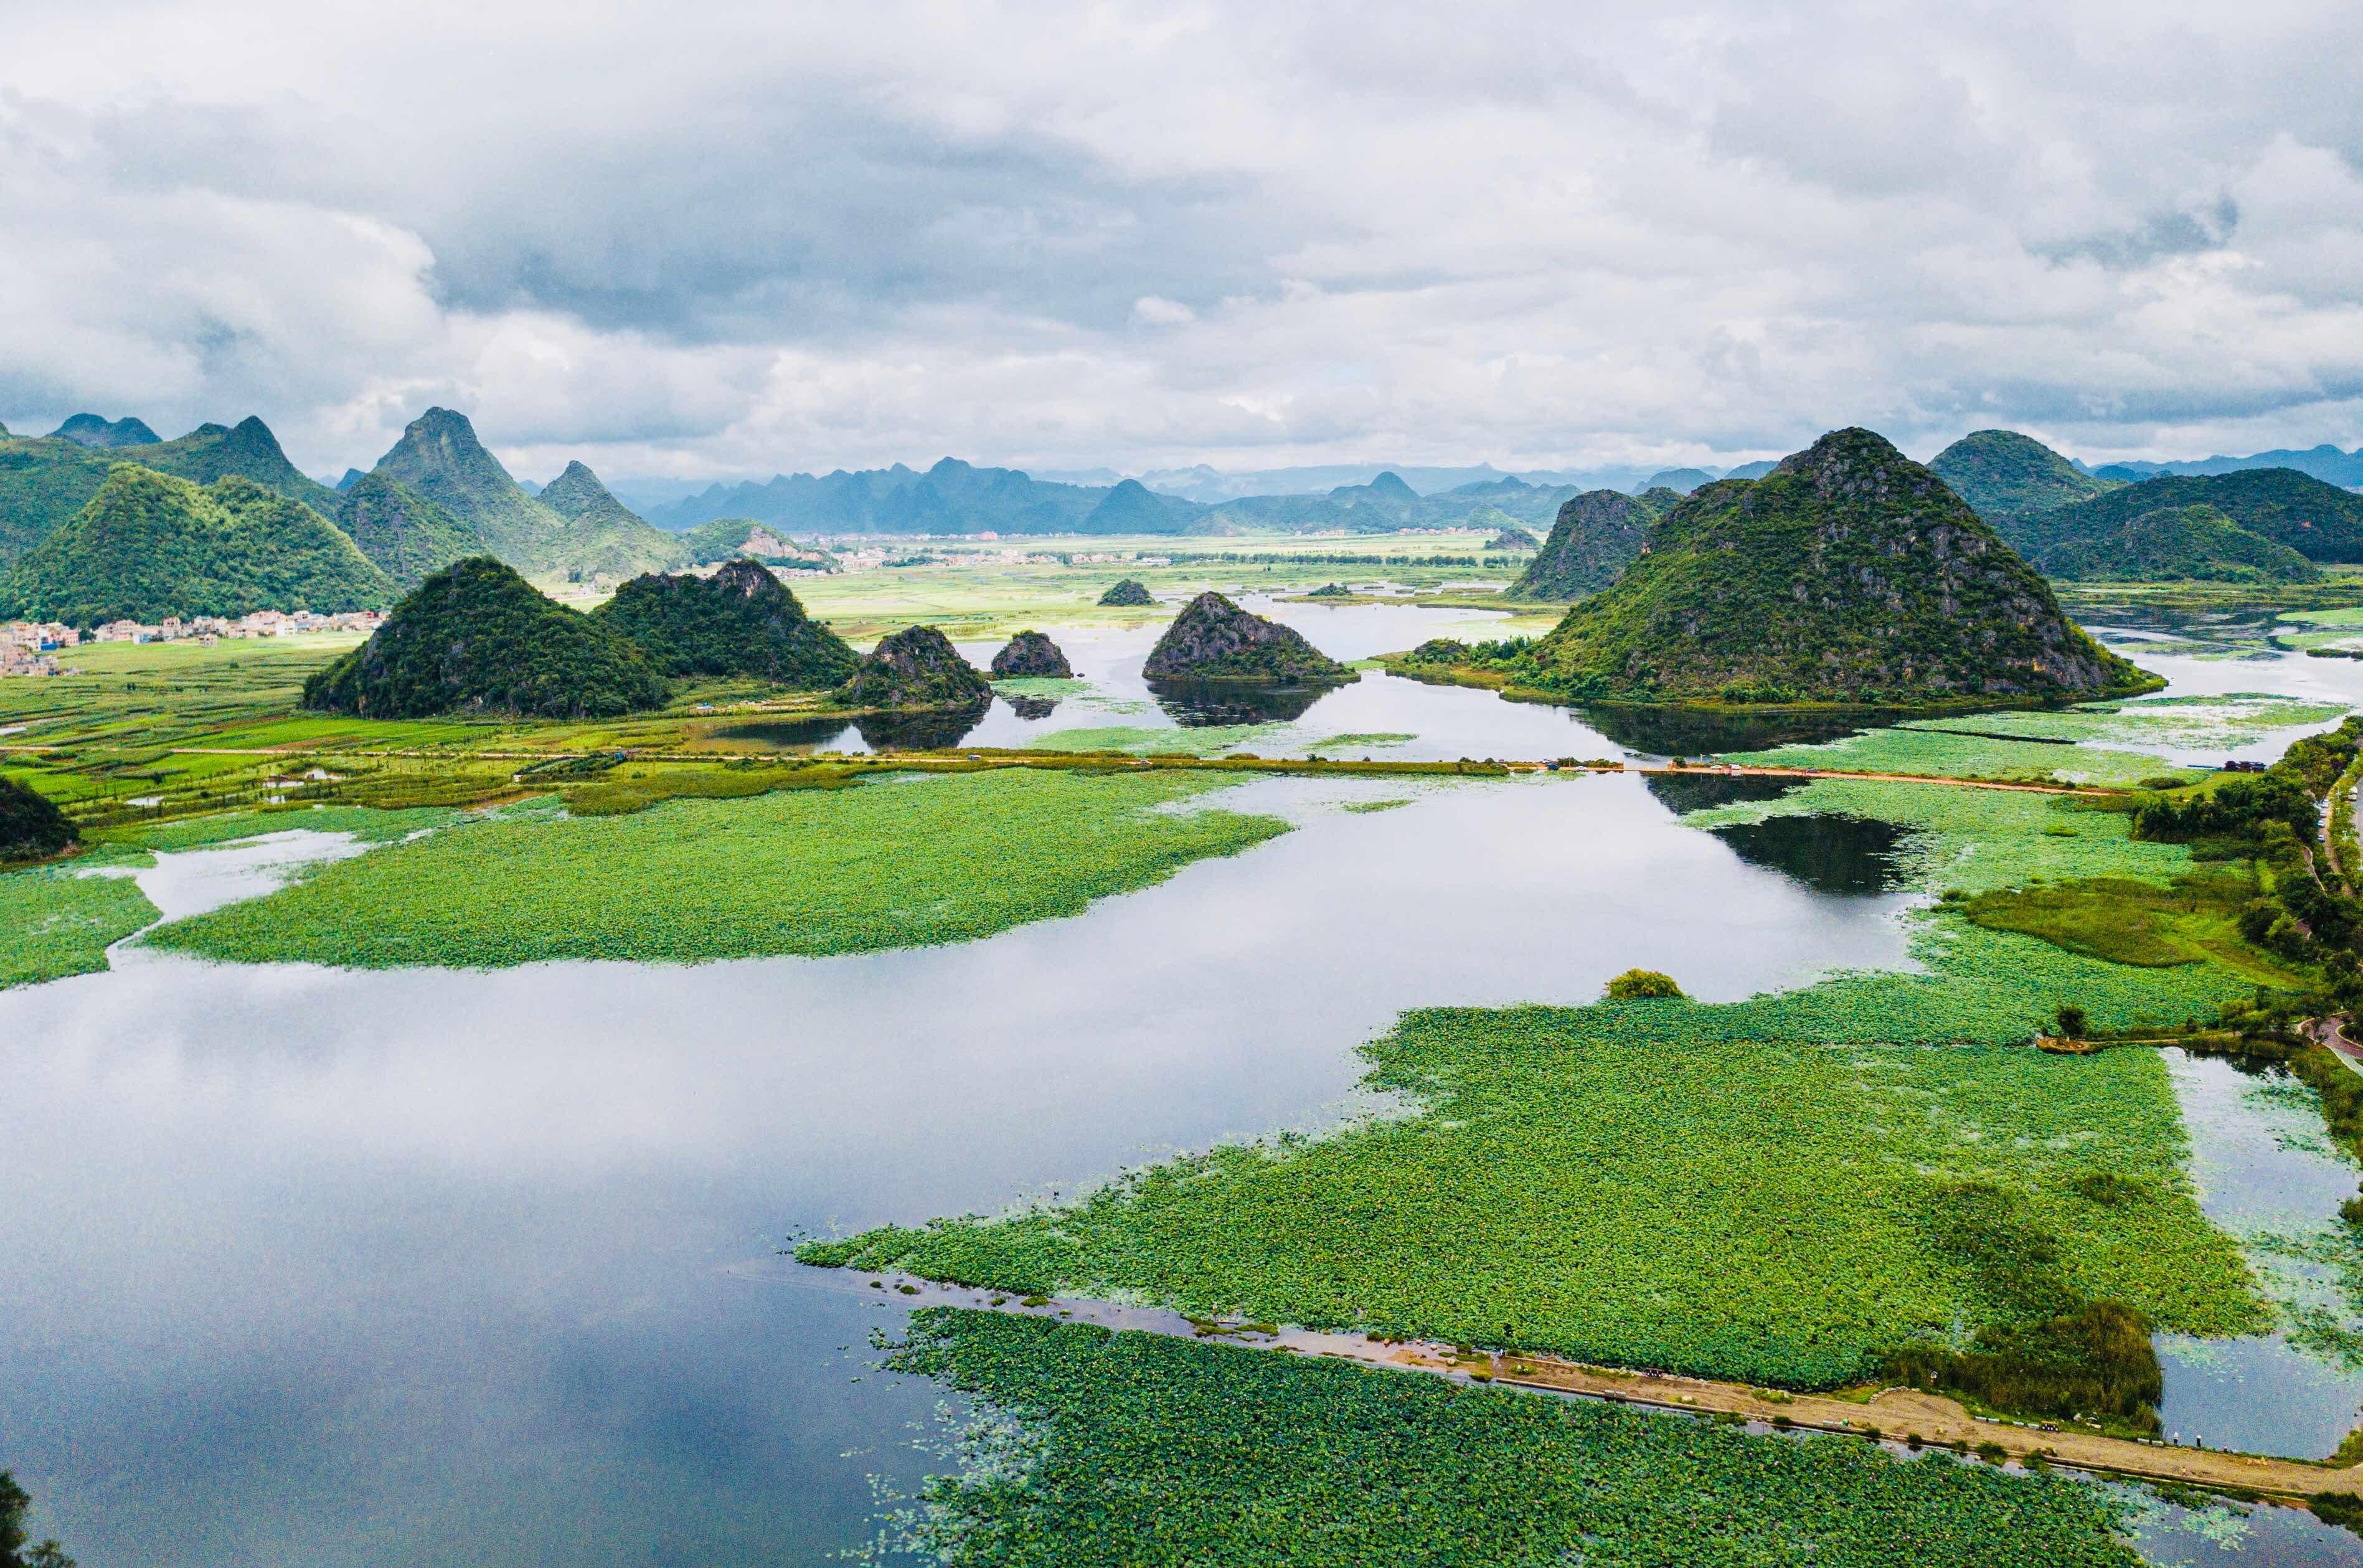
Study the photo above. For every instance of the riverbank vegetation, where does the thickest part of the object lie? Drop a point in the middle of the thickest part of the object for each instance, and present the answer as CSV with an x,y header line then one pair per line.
x,y
1092,1447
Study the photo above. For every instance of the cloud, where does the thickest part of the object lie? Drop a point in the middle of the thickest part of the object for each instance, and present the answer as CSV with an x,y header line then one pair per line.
x,y
738,239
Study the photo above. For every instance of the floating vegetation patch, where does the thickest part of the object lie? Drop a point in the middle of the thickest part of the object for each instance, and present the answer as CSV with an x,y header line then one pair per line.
x,y
1099,1448
60,919
813,872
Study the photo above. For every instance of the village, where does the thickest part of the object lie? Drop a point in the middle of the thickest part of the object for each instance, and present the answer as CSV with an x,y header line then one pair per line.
x,y
31,648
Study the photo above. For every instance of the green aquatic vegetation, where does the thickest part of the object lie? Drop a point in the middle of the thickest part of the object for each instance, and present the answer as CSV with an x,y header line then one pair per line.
x,y
904,864
2124,921
1373,738
1361,808
2227,719
1640,984
1947,753
1975,840
1089,1447
1655,1184
57,921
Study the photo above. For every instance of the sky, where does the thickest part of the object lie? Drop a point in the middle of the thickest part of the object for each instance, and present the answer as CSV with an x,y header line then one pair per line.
x,y
719,240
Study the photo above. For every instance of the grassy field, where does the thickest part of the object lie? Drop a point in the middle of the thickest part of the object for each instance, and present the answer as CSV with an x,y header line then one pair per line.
x,y
1093,1448
1776,1190
886,865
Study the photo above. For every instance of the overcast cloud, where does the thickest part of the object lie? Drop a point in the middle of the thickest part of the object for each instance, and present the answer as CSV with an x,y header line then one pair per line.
x,y
694,240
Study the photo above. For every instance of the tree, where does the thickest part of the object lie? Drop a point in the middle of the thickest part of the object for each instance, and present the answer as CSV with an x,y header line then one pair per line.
x,y
15,1549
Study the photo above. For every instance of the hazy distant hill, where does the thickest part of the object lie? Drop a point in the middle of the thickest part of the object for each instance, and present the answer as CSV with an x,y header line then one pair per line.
x,y
607,537
1387,502
1850,573
45,481
96,430
150,545
2000,472
951,497
439,457
2319,521
2324,462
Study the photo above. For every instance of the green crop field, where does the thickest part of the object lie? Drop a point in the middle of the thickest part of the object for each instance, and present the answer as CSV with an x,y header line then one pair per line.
x,y
886,865
1093,1448
1777,1190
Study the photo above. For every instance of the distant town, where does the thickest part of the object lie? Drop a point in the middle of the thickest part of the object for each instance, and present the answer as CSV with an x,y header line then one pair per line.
x,y
31,648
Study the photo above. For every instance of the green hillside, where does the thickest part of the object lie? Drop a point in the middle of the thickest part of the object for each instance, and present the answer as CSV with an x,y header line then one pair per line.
x,y
1598,534
477,638
406,536
148,545
44,481
2190,544
740,621
439,457
2319,521
1848,575
606,539
245,450
2001,472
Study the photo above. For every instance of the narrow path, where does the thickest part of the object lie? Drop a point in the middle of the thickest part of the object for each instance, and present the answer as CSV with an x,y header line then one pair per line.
x,y
1894,1414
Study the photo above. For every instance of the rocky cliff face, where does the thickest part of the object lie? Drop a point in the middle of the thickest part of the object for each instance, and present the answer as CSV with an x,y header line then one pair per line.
x,y
1212,638
916,667
1031,654
1850,574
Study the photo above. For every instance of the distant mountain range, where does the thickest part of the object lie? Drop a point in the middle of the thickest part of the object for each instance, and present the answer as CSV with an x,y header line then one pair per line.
x,y
2326,463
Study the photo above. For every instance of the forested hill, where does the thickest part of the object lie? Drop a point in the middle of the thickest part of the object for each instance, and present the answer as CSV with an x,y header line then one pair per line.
x,y
438,457
2187,544
2319,521
2002,473
148,545
46,480
1850,573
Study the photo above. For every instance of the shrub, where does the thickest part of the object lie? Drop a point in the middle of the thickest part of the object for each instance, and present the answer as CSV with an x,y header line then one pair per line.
x,y
1641,984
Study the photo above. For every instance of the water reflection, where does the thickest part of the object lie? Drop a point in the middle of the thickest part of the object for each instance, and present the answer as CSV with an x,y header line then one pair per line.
x,y
1030,707
1687,732
1847,856
1192,703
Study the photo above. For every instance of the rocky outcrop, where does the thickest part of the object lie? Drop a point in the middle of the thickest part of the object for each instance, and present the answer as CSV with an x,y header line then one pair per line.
x,y
1212,638
1031,655
1598,534
916,667
1128,594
